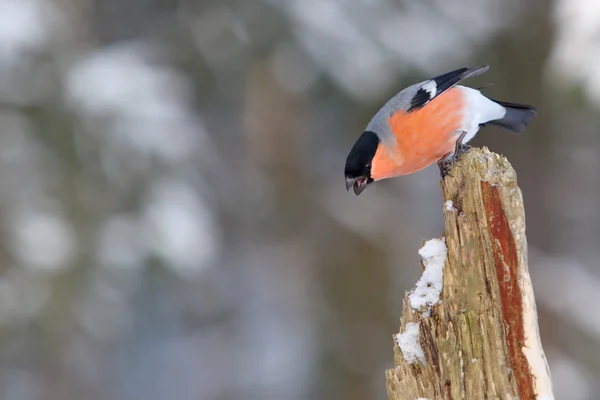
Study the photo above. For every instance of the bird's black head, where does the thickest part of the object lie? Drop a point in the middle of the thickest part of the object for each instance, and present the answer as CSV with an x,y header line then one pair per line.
x,y
358,163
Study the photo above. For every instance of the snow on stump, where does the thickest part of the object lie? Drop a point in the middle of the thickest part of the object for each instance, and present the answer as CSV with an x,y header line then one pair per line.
x,y
469,329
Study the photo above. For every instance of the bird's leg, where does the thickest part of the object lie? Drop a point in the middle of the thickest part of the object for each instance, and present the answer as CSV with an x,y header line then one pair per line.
x,y
445,163
459,147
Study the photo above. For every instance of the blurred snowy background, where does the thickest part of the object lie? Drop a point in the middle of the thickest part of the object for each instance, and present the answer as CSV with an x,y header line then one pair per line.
x,y
173,219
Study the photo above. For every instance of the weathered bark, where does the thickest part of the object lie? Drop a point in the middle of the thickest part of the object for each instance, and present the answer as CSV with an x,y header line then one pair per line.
x,y
481,340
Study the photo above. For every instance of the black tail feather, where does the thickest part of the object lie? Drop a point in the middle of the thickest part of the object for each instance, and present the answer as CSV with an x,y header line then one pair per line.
x,y
516,118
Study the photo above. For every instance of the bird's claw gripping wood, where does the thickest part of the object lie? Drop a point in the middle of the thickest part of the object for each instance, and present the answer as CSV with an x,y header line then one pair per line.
x,y
461,149
445,163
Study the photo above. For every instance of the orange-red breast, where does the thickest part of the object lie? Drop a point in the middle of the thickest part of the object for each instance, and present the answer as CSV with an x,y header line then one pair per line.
x,y
427,122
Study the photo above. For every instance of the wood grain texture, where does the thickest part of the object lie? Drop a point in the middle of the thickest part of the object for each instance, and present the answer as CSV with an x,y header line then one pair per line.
x,y
481,340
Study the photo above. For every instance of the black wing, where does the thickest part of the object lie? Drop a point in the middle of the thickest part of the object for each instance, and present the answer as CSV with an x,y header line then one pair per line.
x,y
435,86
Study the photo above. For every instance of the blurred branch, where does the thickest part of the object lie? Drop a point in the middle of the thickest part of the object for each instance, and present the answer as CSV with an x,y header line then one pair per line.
x,y
481,339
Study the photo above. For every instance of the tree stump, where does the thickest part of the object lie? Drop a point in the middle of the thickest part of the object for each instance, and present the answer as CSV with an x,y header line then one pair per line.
x,y
480,340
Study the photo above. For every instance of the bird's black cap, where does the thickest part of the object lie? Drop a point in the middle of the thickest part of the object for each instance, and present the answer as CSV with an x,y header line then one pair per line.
x,y
358,163
359,160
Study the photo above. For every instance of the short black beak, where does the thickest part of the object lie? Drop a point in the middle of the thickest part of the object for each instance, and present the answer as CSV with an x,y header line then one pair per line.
x,y
358,184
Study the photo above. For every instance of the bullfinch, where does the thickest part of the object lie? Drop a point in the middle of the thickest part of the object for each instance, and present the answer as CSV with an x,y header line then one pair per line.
x,y
430,121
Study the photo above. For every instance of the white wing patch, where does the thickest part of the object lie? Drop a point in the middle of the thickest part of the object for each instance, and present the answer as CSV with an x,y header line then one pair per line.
x,y
431,88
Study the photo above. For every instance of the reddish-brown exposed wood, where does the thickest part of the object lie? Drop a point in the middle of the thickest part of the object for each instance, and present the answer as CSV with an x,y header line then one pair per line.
x,y
507,265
